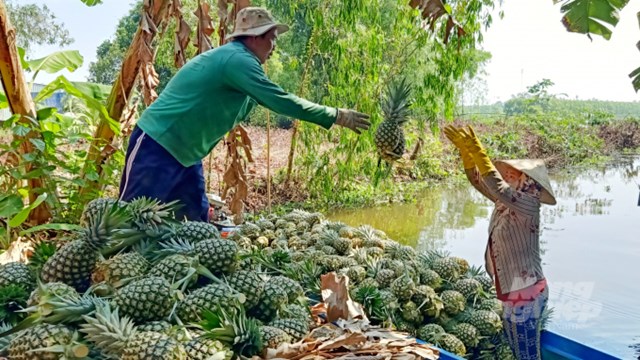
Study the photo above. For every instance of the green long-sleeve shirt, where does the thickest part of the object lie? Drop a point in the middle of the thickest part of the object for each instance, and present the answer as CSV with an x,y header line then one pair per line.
x,y
212,93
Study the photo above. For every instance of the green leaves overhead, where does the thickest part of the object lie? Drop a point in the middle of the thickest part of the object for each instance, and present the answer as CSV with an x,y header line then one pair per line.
x,y
54,62
93,97
92,2
635,79
591,16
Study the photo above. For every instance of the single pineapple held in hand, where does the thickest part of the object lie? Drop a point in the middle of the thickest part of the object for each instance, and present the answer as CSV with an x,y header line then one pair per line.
x,y
389,138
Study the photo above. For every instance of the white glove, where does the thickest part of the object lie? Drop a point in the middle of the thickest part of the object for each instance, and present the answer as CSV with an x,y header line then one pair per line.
x,y
353,120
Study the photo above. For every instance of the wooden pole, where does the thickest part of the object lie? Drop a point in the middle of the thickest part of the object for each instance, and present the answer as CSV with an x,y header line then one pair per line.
x,y
266,70
20,102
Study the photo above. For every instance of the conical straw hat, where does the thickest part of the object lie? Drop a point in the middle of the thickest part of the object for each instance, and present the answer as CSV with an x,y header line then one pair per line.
x,y
536,170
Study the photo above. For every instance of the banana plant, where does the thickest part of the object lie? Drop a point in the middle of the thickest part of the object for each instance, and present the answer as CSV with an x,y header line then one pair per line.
x,y
597,17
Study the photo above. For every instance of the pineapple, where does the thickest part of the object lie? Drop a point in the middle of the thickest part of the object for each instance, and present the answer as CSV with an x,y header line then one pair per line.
x,y
75,261
329,237
274,298
447,268
342,245
272,337
356,274
265,224
403,288
385,277
218,255
430,278
491,304
403,325
248,283
296,328
411,313
375,252
191,308
156,326
504,352
477,273
389,137
47,341
467,333
249,230
296,311
428,301
116,270
369,237
468,287
202,348
117,337
291,287
95,206
405,253
454,302
487,322
49,290
452,344
463,265
430,332
17,273
195,231
146,299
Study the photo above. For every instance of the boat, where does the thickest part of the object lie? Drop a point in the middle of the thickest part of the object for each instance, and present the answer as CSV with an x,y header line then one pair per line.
x,y
556,347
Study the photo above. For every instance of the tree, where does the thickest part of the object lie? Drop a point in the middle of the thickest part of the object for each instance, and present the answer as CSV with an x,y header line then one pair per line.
x,y
37,25
110,53
535,101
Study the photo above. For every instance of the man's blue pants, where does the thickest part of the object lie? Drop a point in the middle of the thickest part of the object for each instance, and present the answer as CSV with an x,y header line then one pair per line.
x,y
151,171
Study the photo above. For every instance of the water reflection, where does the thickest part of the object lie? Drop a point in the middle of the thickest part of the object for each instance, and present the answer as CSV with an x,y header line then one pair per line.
x,y
423,223
589,242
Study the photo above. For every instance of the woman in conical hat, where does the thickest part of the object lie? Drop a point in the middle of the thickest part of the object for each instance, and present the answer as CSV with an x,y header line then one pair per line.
x,y
518,188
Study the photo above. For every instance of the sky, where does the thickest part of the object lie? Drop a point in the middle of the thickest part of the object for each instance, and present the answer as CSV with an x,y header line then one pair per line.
x,y
529,44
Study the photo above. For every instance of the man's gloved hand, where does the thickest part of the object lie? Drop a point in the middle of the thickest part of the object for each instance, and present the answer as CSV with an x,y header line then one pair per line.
x,y
353,120
477,151
453,134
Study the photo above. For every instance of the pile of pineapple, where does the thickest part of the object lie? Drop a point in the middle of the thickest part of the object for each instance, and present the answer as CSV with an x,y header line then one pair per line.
x,y
135,283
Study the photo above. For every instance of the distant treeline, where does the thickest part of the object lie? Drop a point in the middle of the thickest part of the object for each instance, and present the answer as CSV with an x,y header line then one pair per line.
x,y
597,110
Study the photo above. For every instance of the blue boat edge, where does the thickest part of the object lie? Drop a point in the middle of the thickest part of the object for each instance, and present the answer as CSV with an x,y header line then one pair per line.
x,y
554,346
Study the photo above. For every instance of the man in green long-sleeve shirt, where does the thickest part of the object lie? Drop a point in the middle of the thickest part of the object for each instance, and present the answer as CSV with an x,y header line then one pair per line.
x,y
207,98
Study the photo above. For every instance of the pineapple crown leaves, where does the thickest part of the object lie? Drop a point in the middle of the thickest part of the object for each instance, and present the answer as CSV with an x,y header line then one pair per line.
x,y
194,268
12,298
5,340
108,331
274,261
41,252
109,220
58,309
396,101
370,298
171,246
234,328
149,214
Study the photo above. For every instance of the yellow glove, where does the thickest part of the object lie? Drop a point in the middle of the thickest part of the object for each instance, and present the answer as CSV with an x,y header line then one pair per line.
x,y
456,138
477,152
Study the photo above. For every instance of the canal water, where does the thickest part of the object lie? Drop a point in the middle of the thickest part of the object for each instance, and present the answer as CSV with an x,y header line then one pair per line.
x,y
590,243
